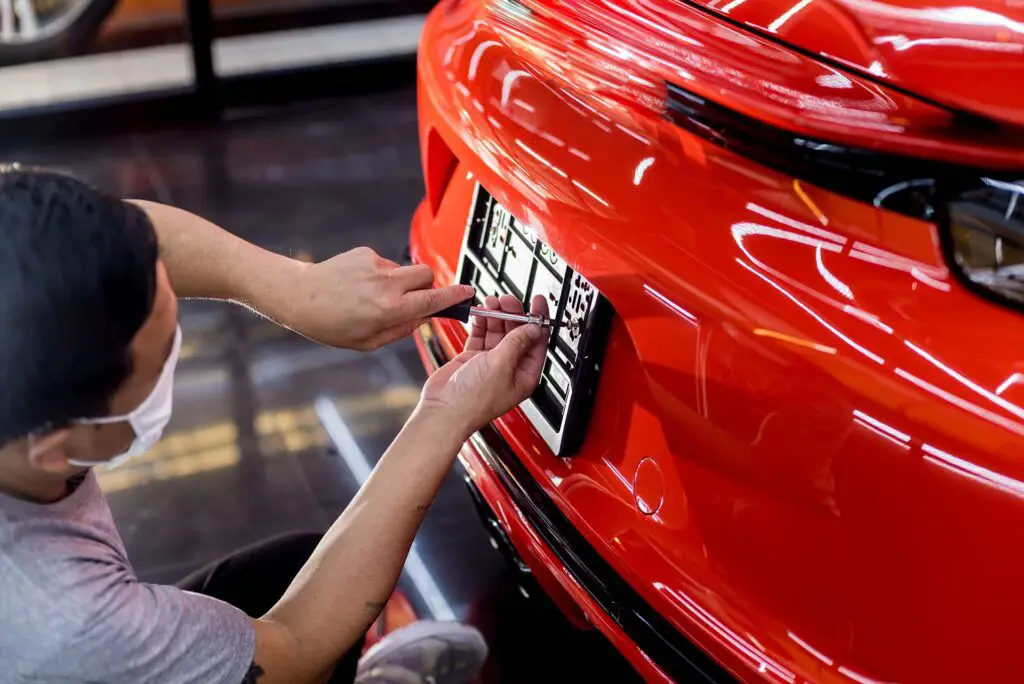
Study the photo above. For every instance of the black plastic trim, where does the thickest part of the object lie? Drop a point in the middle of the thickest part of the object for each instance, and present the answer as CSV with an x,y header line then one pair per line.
x,y
495,531
665,645
908,185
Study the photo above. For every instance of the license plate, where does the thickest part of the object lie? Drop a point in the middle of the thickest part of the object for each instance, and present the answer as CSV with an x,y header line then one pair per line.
x,y
501,255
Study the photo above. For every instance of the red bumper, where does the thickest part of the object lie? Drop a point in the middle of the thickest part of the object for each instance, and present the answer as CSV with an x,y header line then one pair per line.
x,y
518,511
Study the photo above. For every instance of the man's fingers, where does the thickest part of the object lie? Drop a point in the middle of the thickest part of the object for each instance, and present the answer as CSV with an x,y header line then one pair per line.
x,y
494,327
425,303
444,373
477,333
535,356
393,334
415,277
539,305
510,304
516,345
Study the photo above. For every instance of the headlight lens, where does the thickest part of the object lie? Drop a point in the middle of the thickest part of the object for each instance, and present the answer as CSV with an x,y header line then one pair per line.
x,y
987,236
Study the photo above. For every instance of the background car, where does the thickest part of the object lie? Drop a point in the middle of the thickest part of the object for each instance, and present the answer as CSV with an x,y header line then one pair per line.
x,y
780,436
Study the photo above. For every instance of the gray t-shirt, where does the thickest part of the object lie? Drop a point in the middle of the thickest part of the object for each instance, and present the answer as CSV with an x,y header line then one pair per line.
x,y
72,610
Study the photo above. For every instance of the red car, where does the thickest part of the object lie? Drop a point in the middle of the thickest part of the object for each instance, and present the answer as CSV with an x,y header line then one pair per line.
x,y
780,437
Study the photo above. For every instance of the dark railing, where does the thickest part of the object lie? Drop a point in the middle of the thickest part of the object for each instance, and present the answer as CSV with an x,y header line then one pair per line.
x,y
210,94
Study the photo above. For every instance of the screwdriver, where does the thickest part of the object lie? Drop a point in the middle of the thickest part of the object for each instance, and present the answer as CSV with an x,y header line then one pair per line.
x,y
462,312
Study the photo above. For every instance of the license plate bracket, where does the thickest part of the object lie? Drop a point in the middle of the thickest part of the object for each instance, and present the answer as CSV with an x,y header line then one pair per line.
x,y
502,255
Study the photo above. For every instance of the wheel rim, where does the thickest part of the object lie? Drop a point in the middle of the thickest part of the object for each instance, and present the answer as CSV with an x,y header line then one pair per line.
x,y
24,22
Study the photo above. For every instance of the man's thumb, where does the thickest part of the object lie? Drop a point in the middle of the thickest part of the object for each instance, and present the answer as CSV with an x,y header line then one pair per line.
x,y
517,343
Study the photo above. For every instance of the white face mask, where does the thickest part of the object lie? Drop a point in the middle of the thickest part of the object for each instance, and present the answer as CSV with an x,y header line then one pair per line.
x,y
149,419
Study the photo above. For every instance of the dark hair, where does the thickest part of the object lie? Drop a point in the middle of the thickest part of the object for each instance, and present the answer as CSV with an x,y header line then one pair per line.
x,y
77,281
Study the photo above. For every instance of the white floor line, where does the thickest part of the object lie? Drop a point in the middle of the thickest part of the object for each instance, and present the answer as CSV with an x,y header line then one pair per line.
x,y
359,465
168,66
336,44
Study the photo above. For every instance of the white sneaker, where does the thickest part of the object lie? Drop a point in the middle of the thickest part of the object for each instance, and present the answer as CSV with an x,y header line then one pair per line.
x,y
425,652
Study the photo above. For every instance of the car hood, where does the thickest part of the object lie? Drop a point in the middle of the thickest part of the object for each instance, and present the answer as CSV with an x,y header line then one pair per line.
x,y
967,54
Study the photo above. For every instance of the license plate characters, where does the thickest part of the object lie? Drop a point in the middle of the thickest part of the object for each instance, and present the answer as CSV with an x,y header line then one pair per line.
x,y
501,255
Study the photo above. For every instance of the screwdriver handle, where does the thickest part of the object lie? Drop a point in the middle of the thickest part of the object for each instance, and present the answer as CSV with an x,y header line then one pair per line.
x,y
458,312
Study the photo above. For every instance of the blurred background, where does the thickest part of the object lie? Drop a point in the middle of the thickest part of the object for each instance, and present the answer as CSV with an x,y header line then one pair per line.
x,y
110,61
293,124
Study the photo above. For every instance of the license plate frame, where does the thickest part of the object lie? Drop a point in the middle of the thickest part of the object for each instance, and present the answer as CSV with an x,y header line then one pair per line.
x,y
502,255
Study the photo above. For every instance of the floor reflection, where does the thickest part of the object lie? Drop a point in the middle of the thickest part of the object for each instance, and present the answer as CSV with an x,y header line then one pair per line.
x,y
272,433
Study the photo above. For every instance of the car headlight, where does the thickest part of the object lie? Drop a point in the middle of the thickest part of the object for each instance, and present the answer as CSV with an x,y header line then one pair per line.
x,y
986,229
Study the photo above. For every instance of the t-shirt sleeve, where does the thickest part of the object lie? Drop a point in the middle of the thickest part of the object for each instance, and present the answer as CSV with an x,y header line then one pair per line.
x,y
134,632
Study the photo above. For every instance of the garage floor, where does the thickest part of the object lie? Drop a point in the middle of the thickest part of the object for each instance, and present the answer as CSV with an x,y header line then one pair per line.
x,y
271,432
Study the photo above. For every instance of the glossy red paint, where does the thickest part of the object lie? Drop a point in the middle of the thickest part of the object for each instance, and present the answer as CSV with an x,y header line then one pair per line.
x,y
616,56
832,416
966,54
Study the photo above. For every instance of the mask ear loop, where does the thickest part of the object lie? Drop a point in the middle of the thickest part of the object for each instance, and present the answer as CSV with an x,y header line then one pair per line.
x,y
32,438
30,444
36,441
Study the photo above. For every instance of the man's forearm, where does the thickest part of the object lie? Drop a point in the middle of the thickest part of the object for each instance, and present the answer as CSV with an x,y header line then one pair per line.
x,y
347,581
205,261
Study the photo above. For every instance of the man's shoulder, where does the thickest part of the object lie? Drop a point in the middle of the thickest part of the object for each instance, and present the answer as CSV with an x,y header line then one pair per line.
x,y
50,569
55,568
41,606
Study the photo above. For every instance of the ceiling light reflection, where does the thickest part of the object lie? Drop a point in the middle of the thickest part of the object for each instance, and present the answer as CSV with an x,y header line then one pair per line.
x,y
530,151
810,649
787,15
883,429
509,81
858,677
578,153
590,192
868,318
863,350
1013,379
633,134
968,406
901,43
797,225
972,471
474,61
687,316
460,41
732,5
837,284
967,382
799,341
522,104
641,169
930,14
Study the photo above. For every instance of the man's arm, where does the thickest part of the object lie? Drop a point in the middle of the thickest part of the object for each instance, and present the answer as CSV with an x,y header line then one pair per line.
x,y
346,583
351,574
356,299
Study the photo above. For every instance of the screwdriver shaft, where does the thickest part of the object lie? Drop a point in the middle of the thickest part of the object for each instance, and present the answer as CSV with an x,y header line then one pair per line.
x,y
536,319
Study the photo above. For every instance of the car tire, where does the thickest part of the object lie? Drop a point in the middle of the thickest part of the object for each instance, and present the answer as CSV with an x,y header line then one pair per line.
x,y
72,40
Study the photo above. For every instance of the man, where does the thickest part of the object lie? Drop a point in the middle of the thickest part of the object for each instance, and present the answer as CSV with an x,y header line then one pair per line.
x,y
89,341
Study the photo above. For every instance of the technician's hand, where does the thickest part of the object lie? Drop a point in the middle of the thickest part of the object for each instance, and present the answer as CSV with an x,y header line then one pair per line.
x,y
360,300
499,368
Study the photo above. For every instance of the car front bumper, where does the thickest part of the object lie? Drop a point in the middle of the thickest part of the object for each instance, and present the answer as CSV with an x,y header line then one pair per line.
x,y
545,543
